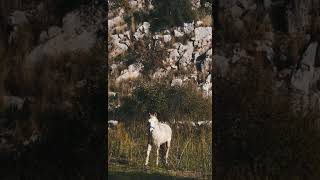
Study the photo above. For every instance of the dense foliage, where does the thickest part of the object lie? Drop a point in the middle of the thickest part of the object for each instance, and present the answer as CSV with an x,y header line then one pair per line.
x,y
180,103
170,13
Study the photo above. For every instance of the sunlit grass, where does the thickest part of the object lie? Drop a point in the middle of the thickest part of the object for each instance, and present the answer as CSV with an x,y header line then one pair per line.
x,y
191,149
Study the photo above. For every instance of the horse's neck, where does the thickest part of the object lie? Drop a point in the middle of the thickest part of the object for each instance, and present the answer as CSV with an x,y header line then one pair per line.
x,y
157,126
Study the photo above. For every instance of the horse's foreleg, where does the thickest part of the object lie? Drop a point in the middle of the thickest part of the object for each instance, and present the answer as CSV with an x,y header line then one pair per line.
x,y
148,153
167,153
158,147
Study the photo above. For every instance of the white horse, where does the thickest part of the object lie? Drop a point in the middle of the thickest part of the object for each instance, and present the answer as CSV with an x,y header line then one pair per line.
x,y
159,133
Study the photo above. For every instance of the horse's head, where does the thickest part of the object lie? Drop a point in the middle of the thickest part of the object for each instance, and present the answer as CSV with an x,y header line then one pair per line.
x,y
152,122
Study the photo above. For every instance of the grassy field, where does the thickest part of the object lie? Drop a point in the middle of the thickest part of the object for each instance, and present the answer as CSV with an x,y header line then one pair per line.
x,y
190,153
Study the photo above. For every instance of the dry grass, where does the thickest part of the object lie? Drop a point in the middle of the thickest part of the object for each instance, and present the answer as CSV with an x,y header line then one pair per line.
x,y
207,20
259,135
191,149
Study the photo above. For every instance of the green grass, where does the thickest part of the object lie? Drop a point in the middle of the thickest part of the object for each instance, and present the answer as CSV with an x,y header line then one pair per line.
x,y
190,152
116,169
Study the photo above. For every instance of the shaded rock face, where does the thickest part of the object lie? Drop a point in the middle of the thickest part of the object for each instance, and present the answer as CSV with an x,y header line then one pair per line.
x,y
284,39
76,34
305,75
63,44
27,132
286,16
18,18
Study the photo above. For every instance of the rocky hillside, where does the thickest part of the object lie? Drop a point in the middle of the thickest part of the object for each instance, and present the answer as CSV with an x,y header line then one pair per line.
x,y
159,41
52,87
267,89
286,33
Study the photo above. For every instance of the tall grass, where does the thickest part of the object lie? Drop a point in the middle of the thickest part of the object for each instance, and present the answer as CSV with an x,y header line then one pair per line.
x,y
191,149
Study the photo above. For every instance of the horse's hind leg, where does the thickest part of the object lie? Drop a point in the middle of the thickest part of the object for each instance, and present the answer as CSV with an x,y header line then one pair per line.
x,y
148,153
167,153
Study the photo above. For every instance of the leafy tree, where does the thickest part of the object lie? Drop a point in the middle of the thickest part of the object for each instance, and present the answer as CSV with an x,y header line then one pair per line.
x,y
170,13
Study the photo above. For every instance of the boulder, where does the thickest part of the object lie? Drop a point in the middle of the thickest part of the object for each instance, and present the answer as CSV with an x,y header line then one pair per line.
x,y
185,52
132,72
188,27
166,38
142,30
178,33
203,37
176,82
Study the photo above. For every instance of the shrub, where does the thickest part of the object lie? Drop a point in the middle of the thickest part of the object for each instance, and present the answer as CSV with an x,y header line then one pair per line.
x,y
180,103
170,13
118,4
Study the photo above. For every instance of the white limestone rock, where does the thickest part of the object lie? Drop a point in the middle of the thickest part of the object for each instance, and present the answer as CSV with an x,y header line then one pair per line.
x,y
167,38
142,30
178,33
302,79
121,43
176,82
186,52
203,36
188,28
207,86
114,22
114,68
199,23
133,72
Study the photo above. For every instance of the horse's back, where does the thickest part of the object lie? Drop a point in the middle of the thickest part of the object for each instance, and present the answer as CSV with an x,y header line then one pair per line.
x,y
167,129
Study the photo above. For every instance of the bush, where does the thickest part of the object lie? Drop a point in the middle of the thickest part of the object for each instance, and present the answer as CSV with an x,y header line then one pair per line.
x,y
118,4
180,103
170,13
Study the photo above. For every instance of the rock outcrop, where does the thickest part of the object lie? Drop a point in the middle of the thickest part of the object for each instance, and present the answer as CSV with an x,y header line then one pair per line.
x,y
193,54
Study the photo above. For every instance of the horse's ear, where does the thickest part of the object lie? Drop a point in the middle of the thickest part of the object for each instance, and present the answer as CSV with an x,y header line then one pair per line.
x,y
149,114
